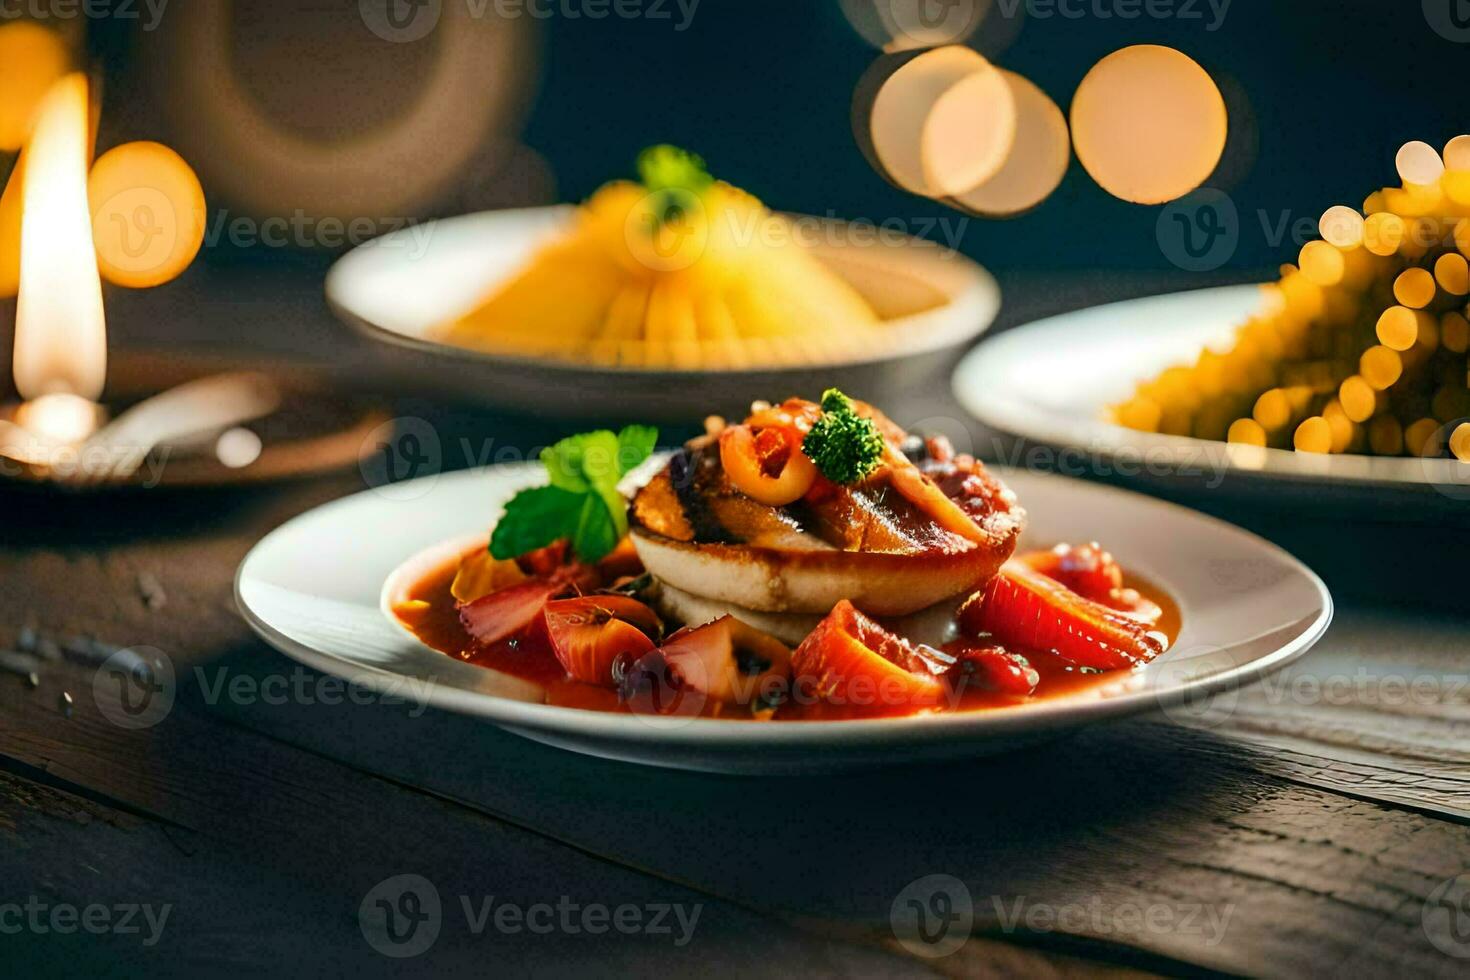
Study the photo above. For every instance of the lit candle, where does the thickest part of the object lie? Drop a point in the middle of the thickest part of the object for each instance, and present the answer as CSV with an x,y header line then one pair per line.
x,y
60,332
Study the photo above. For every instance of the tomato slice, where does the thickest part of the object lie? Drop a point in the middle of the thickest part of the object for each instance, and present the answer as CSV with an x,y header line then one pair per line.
x,y
1023,608
589,634
503,614
838,663
992,668
729,661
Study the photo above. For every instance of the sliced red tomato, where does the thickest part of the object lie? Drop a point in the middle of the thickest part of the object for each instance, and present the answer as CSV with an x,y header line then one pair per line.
x,y
1021,607
729,661
992,668
589,634
846,660
500,615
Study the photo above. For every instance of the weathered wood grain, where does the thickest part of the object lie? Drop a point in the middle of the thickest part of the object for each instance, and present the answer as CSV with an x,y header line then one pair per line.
x,y
1311,832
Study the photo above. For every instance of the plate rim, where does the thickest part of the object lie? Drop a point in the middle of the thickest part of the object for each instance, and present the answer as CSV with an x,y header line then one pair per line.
x,y
1005,411
982,292
615,728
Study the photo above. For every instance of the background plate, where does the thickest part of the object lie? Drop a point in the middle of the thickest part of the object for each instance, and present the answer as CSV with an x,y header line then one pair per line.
x,y
1052,381
400,287
312,589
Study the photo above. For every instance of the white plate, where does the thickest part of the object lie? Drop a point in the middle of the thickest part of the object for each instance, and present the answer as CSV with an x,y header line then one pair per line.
x,y
1052,382
399,288
313,589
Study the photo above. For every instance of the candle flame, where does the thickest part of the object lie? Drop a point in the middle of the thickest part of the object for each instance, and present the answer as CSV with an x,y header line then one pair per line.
x,y
60,330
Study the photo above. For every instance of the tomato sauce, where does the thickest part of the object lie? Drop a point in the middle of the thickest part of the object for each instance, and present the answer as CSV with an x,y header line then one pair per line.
x,y
430,612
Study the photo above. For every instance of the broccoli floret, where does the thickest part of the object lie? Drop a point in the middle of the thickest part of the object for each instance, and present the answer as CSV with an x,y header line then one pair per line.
x,y
845,446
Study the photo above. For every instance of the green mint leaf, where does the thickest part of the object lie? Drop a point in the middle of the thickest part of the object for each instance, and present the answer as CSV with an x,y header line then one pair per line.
x,y
597,533
635,444
583,463
536,518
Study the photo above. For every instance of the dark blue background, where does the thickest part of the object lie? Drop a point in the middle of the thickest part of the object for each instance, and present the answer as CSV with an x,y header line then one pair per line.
x,y
1321,96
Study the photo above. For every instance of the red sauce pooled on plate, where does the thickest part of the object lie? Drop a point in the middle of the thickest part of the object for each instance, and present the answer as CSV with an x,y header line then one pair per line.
x,y
530,657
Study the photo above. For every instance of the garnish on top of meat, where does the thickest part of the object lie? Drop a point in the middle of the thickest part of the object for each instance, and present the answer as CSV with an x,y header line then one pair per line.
x,y
802,505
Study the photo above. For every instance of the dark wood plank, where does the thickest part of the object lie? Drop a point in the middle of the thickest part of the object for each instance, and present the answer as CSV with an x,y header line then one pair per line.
x,y
1366,717
264,853
1301,860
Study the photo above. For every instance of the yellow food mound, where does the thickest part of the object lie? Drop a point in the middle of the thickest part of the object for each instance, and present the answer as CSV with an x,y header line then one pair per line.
x,y
1361,346
680,271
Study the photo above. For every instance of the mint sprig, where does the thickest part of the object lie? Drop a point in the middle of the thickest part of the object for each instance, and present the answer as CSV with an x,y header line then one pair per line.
x,y
582,502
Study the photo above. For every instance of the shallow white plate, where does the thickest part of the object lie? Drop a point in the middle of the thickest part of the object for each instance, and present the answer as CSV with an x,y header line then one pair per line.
x,y
313,589
1052,381
399,288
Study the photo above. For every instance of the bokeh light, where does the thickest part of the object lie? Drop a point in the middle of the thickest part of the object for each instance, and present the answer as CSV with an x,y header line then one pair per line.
x,y
148,214
908,25
1149,124
943,122
1419,164
1037,161
32,59
1342,226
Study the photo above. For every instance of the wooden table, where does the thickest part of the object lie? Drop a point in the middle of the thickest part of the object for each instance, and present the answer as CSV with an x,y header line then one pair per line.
x,y
1312,825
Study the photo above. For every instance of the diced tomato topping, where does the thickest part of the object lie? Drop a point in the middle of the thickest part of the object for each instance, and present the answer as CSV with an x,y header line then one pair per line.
x,y
838,663
501,615
992,668
1023,608
590,633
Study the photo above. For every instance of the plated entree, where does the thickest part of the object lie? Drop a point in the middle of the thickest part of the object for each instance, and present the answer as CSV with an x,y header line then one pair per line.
x,y
814,561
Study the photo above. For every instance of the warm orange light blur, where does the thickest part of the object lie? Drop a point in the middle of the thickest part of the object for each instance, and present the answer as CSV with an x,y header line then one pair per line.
x,y
944,122
1419,164
147,214
32,58
60,332
1037,162
1148,124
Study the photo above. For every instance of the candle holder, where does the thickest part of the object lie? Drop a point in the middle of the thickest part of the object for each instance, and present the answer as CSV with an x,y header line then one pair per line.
x,y
170,420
